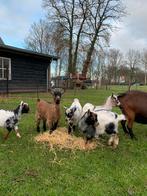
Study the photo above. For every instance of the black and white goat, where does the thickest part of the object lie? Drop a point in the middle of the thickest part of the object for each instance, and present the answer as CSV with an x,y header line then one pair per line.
x,y
73,115
100,122
9,119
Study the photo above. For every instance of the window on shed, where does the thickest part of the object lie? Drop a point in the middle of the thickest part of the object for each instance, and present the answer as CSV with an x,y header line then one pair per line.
x,y
5,68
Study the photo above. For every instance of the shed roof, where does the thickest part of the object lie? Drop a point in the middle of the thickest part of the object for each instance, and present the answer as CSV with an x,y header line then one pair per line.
x,y
1,41
26,52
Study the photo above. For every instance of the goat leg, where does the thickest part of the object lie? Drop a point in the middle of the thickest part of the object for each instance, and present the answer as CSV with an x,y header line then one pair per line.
x,y
74,127
54,126
6,136
131,133
16,131
123,123
113,141
37,125
44,125
9,130
69,129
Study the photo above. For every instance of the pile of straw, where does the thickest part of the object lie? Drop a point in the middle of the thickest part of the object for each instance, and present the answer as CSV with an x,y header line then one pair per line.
x,y
61,139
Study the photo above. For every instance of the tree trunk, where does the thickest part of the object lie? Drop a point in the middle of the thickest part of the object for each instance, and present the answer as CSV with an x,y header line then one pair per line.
x,y
87,62
70,68
77,46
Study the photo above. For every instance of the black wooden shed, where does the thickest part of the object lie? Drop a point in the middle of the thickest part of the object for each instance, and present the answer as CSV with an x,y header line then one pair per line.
x,y
23,70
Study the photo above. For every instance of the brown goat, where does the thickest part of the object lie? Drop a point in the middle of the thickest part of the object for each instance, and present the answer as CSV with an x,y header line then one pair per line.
x,y
49,113
133,105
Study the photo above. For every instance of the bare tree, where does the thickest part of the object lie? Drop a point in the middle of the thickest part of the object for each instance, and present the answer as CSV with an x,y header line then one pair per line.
x,y
49,39
132,60
38,38
99,59
71,14
103,14
115,58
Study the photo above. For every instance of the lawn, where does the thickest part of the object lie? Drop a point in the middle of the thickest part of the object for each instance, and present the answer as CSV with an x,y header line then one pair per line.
x,y
28,168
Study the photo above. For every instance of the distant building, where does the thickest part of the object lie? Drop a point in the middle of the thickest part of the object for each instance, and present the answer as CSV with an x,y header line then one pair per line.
x,y
23,70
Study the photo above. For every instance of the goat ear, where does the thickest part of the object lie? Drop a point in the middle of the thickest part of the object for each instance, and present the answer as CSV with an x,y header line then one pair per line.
x,y
112,95
74,109
88,112
21,103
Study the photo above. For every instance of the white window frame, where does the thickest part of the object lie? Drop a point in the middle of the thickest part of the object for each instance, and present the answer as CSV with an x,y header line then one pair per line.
x,y
9,69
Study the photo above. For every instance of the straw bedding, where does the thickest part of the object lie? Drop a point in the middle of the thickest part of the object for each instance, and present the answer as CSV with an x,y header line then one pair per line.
x,y
61,139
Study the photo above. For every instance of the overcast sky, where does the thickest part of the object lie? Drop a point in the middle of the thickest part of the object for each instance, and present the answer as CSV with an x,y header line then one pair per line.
x,y
16,16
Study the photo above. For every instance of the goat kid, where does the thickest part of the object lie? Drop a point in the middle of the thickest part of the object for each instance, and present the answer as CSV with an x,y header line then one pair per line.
x,y
9,119
100,122
108,123
87,124
49,113
73,115
108,105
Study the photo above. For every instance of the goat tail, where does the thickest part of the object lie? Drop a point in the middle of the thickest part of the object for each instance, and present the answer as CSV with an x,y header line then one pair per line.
x,y
121,117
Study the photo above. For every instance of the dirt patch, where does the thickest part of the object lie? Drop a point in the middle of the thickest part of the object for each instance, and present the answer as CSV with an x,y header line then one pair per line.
x,y
61,139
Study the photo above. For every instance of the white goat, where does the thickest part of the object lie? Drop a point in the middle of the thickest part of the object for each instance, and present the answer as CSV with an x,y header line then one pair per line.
x,y
109,103
105,122
108,123
9,119
73,115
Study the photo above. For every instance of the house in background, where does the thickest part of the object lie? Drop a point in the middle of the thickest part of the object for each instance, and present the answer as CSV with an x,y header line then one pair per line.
x,y
23,70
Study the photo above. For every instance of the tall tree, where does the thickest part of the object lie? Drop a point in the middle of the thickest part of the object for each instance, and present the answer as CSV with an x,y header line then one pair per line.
x,y
103,14
71,14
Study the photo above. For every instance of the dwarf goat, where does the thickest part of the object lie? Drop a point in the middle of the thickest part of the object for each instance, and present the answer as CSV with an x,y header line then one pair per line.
x,y
9,119
99,122
49,113
73,115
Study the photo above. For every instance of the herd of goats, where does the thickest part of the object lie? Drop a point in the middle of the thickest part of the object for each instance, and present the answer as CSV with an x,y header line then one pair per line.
x,y
91,120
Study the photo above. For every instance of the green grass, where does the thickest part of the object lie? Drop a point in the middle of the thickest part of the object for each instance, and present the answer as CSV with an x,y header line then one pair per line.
x,y
27,168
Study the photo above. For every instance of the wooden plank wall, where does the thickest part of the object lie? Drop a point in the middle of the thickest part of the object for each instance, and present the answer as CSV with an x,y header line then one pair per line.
x,y
28,73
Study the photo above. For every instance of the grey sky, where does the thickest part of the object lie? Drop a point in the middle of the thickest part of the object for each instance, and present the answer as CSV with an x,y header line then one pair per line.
x,y
132,31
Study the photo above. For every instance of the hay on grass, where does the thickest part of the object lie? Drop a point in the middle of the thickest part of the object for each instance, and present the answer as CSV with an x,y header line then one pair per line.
x,y
61,139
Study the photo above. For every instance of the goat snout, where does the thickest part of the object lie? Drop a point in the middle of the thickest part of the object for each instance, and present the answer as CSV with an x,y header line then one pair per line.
x,y
57,100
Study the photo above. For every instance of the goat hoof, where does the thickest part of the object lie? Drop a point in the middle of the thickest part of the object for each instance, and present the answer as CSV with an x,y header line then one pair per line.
x,y
18,135
51,131
134,138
